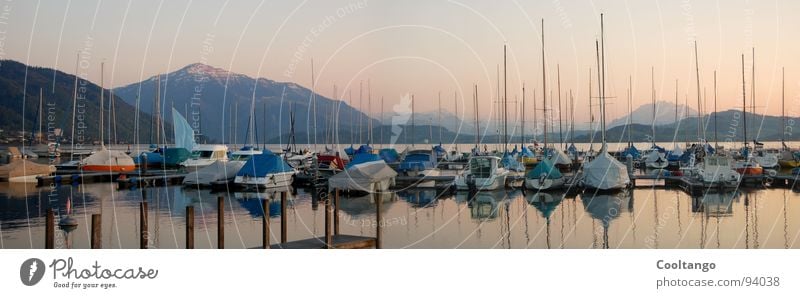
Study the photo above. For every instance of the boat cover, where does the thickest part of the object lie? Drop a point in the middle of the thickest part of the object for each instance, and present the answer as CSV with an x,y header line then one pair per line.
x,y
361,176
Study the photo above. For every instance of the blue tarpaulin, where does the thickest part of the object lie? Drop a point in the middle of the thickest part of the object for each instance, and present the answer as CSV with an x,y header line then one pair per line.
x,y
544,167
360,158
389,155
418,160
264,164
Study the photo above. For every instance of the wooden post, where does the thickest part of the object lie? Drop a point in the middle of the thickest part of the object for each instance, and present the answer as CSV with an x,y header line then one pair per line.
x,y
220,222
336,212
328,211
189,227
143,237
265,224
96,231
378,229
49,230
283,217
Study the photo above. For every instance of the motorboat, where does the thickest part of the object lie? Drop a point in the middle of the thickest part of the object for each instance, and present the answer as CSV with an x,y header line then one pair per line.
x,y
717,171
265,170
482,173
204,155
366,173
221,171
420,163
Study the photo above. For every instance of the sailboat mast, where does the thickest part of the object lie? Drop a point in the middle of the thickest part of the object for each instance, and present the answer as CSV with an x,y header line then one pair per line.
x,y
603,71
361,109
716,144
630,111
522,142
157,108
571,117
699,105
505,100
783,104
600,95
544,90
313,102
102,84
75,102
591,112
381,123
413,128
440,117
40,134
653,101
558,80
477,122
744,106
369,110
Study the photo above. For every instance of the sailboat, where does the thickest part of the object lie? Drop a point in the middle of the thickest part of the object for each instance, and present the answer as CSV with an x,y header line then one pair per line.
x,y
545,175
105,159
747,166
765,159
265,170
604,172
716,170
656,158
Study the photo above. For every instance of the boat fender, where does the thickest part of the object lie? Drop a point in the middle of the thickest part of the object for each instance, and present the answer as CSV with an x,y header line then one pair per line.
x,y
769,180
76,178
57,179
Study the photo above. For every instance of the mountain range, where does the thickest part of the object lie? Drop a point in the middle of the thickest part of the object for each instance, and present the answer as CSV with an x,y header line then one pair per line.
x,y
20,85
219,104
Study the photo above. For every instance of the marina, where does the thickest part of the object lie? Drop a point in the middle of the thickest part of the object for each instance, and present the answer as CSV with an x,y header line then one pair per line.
x,y
409,215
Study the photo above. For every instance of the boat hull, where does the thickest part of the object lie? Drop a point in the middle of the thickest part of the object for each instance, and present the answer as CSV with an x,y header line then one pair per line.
x,y
492,183
544,184
108,168
276,180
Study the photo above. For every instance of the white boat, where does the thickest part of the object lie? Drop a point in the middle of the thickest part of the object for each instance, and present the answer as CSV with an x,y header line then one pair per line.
x,y
367,172
559,158
205,155
482,173
420,163
605,173
656,159
767,160
265,170
221,170
718,171
25,171
107,160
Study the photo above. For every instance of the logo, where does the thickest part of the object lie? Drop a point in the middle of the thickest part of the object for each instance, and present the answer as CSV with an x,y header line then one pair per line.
x,y
31,271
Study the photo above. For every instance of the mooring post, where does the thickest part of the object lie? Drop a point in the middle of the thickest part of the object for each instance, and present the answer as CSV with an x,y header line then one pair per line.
x,y
328,213
265,224
378,229
189,227
49,230
143,239
336,212
220,222
283,217
96,231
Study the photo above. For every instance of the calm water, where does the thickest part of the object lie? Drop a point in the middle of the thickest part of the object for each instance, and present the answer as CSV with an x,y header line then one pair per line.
x,y
642,218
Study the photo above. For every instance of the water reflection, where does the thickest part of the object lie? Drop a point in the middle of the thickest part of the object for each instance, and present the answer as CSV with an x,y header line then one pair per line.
x,y
420,218
605,208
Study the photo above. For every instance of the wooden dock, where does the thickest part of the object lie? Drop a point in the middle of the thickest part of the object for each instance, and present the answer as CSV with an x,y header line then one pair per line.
x,y
332,239
338,241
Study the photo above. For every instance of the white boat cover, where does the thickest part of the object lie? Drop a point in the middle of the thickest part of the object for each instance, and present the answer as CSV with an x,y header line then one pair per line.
x,y
22,168
362,176
654,156
677,151
106,157
560,158
605,173
220,170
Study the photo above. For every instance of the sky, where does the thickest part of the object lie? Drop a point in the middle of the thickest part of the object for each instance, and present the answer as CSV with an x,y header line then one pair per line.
x,y
425,47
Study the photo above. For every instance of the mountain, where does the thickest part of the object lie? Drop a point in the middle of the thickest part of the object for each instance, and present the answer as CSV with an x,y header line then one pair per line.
x,y
57,91
665,114
729,127
218,104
